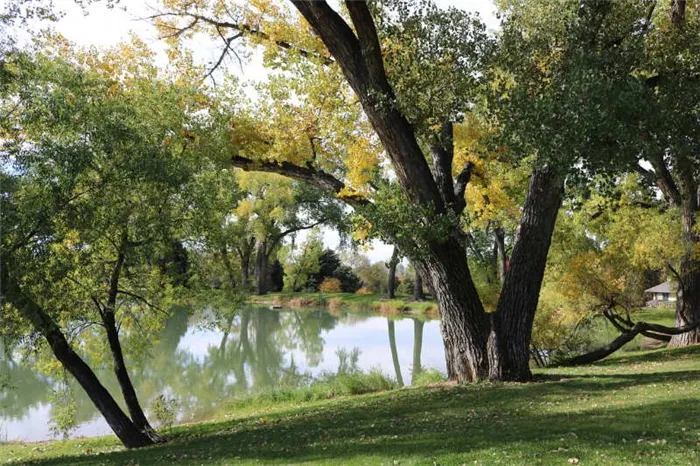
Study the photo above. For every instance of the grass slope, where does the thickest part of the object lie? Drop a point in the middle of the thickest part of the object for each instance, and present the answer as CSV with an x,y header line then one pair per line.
x,y
636,409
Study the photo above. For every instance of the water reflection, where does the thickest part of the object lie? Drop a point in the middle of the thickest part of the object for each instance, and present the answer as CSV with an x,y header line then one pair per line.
x,y
199,363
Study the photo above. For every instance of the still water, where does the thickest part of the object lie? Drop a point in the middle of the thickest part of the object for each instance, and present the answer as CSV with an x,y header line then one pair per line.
x,y
199,366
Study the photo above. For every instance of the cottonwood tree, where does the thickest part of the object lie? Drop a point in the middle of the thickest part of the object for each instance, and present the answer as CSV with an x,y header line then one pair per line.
x,y
414,73
637,76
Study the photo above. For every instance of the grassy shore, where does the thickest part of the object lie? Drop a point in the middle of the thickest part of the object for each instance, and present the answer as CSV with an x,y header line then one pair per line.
x,y
633,409
349,302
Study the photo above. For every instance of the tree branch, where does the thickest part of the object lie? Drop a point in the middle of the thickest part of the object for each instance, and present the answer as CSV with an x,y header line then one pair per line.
x,y
461,186
307,174
243,28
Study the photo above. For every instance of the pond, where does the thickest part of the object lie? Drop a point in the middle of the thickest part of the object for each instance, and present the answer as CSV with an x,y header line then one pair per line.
x,y
200,366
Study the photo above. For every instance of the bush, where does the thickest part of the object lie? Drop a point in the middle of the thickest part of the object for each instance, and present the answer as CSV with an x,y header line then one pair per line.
x,y
330,285
164,411
428,377
364,290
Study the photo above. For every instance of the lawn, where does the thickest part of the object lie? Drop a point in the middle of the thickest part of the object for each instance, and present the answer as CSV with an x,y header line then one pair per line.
x,y
632,409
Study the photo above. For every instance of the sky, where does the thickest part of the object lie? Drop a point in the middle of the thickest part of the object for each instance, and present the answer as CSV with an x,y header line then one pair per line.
x,y
104,27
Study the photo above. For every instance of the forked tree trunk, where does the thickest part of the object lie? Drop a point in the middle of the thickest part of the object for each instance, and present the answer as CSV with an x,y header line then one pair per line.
x,y
119,365
394,351
126,386
509,342
127,432
688,304
463,322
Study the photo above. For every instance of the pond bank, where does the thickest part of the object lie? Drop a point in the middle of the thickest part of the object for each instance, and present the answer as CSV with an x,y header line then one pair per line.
x,y
637,409
349,302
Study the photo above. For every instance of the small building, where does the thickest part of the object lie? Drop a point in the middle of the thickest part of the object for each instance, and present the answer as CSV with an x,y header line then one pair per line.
x,y
662,295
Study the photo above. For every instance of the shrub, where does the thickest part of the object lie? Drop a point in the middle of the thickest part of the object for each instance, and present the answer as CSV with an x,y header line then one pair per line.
x,y
364,290
302,303
330,285
164,411
428,377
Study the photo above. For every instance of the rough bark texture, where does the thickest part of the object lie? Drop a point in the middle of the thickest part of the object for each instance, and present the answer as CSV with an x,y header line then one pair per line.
x,y
394,353
463,322
127,432
509,342
688,304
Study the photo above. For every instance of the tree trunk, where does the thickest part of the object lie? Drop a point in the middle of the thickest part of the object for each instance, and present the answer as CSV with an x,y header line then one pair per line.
x,y
501,258
394,352
463,322
127,432
261,267
127,388
688,304
245,271
511,324
391,278
109,321
418,287
417,348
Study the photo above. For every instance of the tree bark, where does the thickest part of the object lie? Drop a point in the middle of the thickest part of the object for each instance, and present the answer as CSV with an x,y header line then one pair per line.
x,y
394,352
511,324
261,267
119,365
463,322
688,304
501,257
391,276
123,427
417,368
418,294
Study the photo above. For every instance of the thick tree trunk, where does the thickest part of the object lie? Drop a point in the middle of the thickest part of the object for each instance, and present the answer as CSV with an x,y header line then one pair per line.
x,y
509,342
463,322
394,352
417,368
418,287
688,304
261,267
127,432
391,276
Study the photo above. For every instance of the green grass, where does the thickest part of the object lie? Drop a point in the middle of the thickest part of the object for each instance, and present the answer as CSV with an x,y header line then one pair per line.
x,y
632,409
604,332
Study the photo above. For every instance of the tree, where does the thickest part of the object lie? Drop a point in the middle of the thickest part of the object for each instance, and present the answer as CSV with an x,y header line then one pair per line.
x,y
300,264
90,185
408,113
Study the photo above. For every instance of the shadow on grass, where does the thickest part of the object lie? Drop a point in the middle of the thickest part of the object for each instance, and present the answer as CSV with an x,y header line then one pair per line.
x,y
551,420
